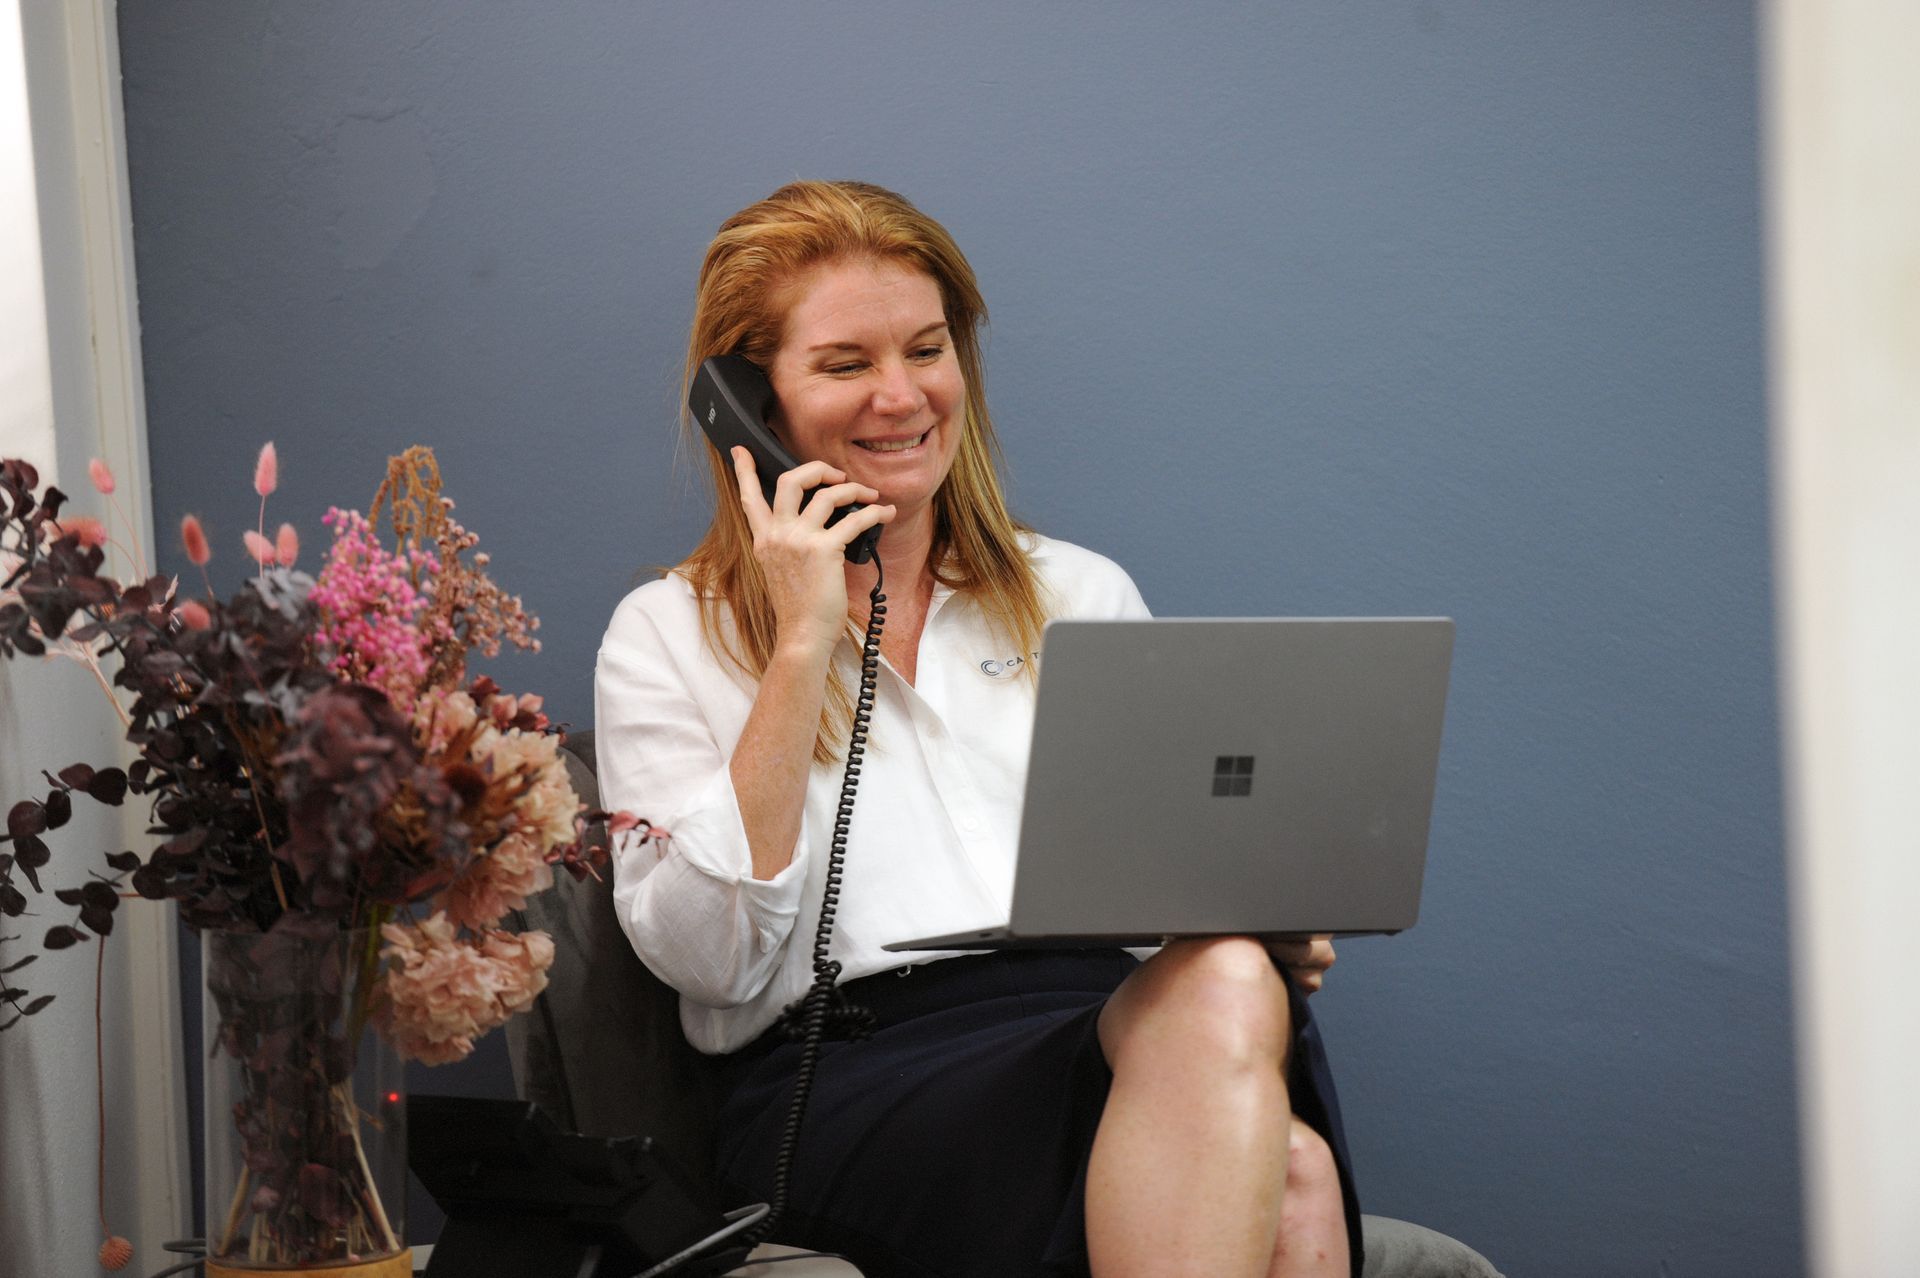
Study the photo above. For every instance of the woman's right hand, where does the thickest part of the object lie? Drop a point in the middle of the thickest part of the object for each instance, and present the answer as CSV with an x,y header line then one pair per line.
x,y
803,560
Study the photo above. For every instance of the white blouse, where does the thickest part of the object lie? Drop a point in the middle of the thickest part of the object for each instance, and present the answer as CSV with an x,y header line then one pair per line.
x,y
931,847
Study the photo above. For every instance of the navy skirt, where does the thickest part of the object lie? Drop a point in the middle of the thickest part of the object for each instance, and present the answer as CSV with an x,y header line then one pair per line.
x,y
953,1143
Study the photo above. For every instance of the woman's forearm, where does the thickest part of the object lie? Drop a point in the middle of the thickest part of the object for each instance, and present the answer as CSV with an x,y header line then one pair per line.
x,y
774,756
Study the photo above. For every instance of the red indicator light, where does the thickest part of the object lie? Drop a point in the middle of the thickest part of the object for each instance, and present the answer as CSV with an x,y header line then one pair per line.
x,y
393,1098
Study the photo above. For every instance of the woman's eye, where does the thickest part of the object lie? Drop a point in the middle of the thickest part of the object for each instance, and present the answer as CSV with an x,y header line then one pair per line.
x,y
929,353
839,369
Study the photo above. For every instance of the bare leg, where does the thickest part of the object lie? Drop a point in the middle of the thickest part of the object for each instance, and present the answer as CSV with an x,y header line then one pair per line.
x,y
1313,1220
1190,1170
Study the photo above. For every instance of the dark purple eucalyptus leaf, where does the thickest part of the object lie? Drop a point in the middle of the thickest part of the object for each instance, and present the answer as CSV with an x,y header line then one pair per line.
x,y
19,478
125,862
97,920
99,894
323,1195
35,1007
68,896
50,606
13,902
135,599
77,775
90,592
26,817
59,806
30,854
150,881
87,633
59,938
337,1061
14,967
185,843
109,786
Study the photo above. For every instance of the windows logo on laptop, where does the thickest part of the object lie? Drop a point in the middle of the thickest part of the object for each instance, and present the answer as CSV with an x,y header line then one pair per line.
x,y
1232,776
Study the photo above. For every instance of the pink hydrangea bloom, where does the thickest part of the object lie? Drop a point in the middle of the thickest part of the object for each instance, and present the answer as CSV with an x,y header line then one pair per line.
x,y
444,991
501,877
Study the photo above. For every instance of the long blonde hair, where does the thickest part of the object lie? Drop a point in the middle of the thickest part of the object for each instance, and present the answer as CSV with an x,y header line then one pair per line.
x,y
741,308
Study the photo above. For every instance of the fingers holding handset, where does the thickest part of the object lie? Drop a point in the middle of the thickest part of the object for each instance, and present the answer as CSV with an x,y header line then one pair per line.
x,y
800,556
813,490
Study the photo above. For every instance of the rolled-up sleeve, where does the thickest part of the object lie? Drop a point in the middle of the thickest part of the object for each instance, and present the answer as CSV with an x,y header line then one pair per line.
x,y
666,719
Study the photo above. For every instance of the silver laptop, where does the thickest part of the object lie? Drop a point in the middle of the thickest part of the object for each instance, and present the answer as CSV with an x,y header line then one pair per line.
x,y
1257,776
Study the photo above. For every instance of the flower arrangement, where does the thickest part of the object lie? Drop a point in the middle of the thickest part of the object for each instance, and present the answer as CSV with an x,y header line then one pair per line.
x,y
316,761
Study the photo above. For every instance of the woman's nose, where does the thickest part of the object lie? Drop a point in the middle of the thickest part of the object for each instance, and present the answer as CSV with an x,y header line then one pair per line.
x,y
897,395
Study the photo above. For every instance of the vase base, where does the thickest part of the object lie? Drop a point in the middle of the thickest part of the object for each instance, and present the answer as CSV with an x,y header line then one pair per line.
x,y
398,1265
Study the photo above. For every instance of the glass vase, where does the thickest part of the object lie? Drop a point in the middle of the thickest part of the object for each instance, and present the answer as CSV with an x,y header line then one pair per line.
x,y
306,1137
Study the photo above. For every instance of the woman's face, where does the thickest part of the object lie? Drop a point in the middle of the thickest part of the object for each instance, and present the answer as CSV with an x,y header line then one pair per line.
x,y
868,380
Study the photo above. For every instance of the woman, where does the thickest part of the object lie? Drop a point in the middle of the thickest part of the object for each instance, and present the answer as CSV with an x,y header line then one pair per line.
x,y
1066,1112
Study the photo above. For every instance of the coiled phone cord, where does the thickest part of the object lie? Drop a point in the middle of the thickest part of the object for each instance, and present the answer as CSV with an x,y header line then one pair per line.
x,y
808,1017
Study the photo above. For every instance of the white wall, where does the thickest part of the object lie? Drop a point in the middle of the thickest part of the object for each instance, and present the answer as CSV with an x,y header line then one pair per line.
x,y
1845,249
69,390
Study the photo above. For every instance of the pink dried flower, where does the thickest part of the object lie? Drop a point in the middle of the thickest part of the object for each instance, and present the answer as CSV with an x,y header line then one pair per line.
x,y
193,614
266,471
115,1253
90,531
498,880
286,545
258,547
371,614
532,802
102,477
194,538
442,991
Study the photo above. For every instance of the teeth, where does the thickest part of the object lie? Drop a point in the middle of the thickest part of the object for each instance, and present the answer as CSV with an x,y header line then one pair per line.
x,y
898,446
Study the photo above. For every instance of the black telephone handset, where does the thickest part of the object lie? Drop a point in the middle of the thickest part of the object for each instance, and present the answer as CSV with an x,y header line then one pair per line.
x,y
732,399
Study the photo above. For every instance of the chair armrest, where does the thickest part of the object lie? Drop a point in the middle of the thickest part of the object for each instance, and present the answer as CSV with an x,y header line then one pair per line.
x,y
1400,1249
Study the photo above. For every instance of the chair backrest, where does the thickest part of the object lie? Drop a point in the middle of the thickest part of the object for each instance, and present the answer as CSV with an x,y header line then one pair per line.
x,y
602,1049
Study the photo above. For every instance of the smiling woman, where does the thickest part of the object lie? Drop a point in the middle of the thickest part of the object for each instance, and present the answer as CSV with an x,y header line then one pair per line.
x,y
1063,1112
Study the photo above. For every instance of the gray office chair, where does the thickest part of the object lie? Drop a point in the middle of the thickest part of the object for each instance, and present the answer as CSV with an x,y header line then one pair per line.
x,y
602,1052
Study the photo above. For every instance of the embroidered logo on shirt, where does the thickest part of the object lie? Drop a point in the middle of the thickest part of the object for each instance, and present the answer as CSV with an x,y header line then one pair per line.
x,y
1001,668
1232,776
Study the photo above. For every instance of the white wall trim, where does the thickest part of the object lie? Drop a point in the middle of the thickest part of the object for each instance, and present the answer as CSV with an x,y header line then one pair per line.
x,y
1844,245
153,1072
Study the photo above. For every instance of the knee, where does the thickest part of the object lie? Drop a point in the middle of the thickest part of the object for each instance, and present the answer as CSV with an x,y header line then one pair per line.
x,y
1310,1164
1220,996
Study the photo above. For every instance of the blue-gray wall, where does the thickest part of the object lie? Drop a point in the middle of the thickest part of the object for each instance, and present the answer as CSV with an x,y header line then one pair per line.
x,y
1418,307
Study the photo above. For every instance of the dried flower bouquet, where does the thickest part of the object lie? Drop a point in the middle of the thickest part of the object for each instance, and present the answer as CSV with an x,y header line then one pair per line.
x,y
316,761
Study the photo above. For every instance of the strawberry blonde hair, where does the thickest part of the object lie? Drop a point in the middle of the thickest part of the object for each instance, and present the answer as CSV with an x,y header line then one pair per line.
x,y
746,289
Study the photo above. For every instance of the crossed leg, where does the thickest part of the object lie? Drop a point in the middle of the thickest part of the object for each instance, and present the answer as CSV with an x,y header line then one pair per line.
x,y
1199,1166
